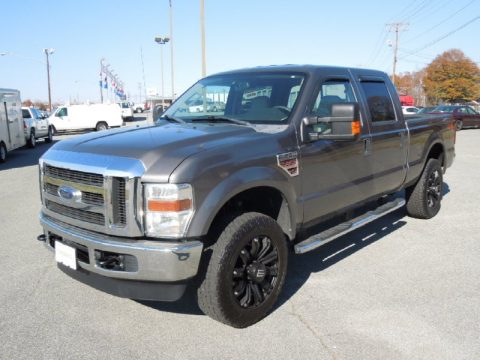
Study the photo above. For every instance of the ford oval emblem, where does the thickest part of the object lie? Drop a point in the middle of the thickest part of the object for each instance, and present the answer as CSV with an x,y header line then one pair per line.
x,y
69,194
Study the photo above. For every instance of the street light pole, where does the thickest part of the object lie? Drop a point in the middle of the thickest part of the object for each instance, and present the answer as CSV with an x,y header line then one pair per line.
x,y
47,53
202,30
162,41
171,51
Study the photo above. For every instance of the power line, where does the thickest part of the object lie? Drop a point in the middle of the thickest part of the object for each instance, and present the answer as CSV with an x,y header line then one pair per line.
x,y
443,21
442,37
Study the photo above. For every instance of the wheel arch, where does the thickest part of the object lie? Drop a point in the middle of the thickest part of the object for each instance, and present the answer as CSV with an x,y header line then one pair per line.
x,y
270,197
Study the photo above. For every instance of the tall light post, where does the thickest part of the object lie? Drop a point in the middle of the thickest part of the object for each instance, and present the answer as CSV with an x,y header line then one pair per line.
x,y
162,41
202,30
171,50
47,53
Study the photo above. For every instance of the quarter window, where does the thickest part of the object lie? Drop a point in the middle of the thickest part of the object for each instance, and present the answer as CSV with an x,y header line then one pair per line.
x,y
379,102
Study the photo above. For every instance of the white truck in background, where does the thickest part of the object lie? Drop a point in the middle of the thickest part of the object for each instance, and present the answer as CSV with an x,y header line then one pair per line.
x,y
85,117
11,122
36,126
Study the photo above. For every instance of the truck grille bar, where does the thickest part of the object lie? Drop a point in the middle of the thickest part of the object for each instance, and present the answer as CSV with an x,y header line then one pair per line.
x,y
103,201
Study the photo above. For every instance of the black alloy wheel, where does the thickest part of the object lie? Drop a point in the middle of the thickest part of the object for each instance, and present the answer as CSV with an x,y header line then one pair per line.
x,y
245,270
255,273
434,188
424,198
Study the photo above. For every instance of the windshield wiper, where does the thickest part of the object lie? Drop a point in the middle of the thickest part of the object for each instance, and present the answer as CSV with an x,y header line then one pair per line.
x,y
213,118
172,118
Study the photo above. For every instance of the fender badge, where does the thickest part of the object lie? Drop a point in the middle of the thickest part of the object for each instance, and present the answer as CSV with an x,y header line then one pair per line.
x,y
289,162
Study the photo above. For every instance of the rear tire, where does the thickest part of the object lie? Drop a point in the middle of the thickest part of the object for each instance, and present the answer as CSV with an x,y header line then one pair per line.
x,y
246,271
32,141
459,125
101,126
49,137
3,153
424,198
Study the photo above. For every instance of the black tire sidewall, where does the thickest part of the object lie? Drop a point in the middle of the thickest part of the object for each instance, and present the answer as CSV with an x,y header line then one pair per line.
x,y
459,125
225,254
49,137
432,165
32,141
4,152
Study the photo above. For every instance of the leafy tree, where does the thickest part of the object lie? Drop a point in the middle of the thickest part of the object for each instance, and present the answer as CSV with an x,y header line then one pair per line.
x,y
27,103
451,77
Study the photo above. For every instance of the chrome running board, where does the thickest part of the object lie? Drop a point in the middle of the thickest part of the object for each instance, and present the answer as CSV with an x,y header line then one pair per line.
x,y
328,235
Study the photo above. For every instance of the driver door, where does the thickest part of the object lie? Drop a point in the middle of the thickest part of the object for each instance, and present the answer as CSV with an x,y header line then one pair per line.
x,y
335,173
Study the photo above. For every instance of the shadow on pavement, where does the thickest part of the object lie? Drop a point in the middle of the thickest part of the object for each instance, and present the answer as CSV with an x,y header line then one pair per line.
x,y
25,156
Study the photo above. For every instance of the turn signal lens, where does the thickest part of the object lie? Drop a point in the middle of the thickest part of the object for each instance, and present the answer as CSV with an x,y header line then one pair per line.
x,y
177,205
356,127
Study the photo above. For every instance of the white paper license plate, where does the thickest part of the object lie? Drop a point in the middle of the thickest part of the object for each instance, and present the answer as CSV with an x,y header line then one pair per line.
x,y
66,255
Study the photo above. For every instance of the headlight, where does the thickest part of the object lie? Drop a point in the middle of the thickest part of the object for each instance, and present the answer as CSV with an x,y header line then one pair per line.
x,y
168,209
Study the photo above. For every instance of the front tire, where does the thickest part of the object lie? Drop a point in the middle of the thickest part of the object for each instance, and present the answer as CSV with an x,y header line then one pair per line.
x,y
246,271
424,198
459,125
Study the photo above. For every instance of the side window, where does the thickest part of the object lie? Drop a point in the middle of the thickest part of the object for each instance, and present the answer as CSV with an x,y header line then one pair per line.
x,y
378,99
332,92
26,114
62,112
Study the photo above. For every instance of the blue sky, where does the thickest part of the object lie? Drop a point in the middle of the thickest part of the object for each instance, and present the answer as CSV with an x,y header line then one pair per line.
x,y
238,34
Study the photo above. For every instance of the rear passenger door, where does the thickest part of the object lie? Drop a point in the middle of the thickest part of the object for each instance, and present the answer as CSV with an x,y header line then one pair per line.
x,y
389,138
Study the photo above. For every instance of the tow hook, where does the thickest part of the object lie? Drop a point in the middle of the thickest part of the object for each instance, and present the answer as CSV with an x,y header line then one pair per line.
x,y
42,237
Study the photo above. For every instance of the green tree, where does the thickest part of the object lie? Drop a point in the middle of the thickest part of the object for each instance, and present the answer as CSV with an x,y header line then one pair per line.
x,y
451,77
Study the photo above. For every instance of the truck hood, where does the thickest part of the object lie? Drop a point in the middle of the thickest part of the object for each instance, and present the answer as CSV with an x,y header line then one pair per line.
x,y
161,148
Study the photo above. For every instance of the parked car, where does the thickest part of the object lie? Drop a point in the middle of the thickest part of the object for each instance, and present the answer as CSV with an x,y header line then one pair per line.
x,y
409,110
11,122
82,117
137,108
215,201
36,126
426,110
127,111
464,115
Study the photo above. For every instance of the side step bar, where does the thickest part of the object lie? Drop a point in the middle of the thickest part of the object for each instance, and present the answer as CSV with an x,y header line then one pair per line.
x,y
328,235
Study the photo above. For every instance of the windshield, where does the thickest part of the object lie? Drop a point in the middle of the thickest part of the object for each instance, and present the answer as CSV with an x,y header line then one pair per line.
x,y
258,98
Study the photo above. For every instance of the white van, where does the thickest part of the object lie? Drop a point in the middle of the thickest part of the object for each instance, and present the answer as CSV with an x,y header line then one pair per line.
x,y
11,122
82,117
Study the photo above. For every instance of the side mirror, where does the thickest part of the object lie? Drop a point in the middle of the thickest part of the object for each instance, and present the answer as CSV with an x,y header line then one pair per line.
x,y
344,124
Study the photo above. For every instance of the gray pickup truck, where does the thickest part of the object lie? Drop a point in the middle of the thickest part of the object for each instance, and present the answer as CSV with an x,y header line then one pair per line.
x,y
214,199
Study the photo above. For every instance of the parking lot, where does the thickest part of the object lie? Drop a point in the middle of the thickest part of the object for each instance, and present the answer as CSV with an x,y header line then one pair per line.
x,y
399,288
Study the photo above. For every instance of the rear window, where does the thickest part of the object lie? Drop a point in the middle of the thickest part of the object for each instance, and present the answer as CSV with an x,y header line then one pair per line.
x,y
379,102
26,114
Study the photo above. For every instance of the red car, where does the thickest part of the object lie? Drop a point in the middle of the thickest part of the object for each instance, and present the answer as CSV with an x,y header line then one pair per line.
x,y
464,115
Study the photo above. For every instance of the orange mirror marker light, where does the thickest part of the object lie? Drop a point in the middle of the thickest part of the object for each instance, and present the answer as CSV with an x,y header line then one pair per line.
x,y
356,127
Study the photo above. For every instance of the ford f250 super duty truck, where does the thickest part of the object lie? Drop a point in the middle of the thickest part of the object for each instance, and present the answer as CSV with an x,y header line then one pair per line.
x,y
215,199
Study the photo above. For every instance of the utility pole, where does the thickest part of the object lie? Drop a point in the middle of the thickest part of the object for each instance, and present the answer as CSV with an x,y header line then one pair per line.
x,y
47,53
171,51
202,30
396,27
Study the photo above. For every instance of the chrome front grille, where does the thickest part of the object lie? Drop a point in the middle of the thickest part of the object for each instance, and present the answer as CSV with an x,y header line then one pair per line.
x,y
77,214
87,197
74,176
92,201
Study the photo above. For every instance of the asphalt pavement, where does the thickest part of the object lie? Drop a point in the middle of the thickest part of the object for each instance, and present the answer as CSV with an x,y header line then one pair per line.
x,y
399,288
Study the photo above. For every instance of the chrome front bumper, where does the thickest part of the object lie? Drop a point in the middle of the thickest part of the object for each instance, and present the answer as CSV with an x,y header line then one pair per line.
x,y
162,261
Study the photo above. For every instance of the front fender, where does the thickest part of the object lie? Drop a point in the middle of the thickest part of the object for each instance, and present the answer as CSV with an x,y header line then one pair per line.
x,y
234,184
